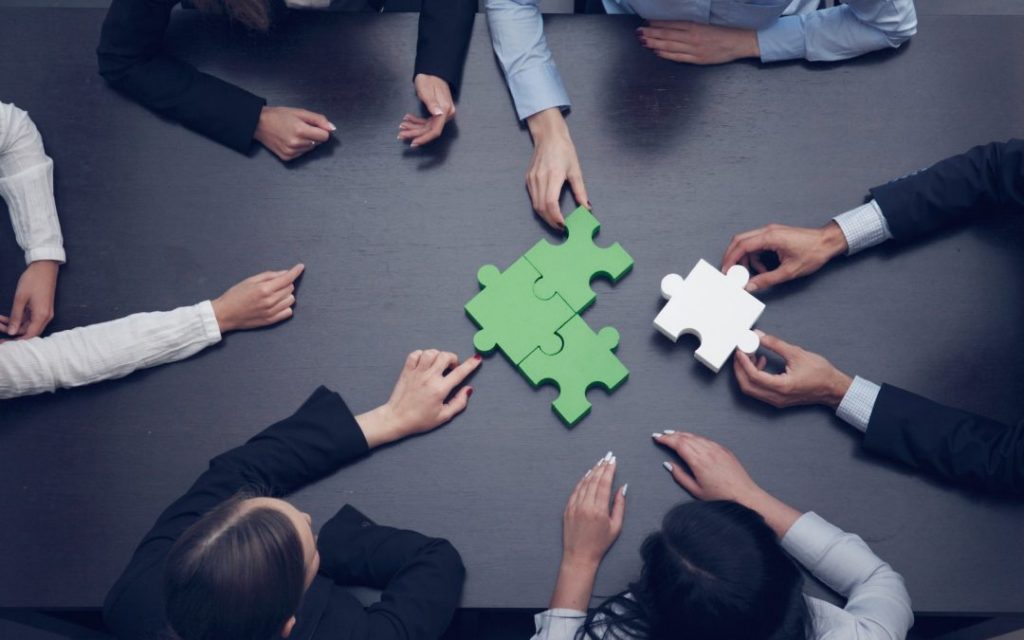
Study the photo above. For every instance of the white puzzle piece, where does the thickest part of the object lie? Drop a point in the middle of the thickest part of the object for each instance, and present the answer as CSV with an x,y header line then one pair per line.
x,y
714,307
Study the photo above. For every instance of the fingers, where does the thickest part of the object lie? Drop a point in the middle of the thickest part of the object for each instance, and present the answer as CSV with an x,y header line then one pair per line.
x,y
669,46
574,497
757,383
430,133
778,345
445,360
317,120
742,245
683,479
39,320
315,134
550,210
17,313
457,404
285,303
769,278
282,315
677,57
412,361
619,509
282,279
579,190
427,359
459,374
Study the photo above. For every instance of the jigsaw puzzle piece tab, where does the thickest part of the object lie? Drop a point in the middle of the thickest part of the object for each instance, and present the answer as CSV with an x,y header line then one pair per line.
x,y
511,317
714,307
586,360
568,268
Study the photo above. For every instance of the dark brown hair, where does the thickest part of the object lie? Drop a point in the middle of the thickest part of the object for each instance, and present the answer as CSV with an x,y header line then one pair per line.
x,y
254,14
236,574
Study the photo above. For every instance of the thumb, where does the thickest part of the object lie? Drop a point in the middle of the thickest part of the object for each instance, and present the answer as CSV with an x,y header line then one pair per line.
x,y
17,312
777,345
316,119
769,279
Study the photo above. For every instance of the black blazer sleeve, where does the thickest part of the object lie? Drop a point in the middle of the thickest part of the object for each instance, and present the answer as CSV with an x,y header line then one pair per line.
x,y
132,60
444,32
317,439
421,577
953,444
986,178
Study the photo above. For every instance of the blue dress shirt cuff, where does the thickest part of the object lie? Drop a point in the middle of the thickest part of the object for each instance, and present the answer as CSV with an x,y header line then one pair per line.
x,y
856,406
784,40
537,88
863,227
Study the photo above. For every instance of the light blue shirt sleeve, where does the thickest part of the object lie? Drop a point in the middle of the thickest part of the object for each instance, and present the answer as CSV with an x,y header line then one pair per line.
x,y
517,33
863,227
845,31
858,403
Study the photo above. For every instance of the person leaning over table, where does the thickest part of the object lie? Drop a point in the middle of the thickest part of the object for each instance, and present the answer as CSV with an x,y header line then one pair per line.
x,y
231,559
688,31
897,424
721,568
26,185
133,61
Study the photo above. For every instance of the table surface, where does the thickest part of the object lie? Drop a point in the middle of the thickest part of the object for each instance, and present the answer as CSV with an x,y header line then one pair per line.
x,y
677,159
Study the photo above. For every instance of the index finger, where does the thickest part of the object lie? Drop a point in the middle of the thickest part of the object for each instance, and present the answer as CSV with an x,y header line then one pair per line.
x,y
678,25
552,210
742,245
35,327
315,134
433,132
756,377
284,279
459,374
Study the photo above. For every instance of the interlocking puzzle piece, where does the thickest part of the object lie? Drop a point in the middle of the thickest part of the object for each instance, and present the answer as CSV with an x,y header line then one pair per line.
x,y
584,361
715,308
568,268
511,317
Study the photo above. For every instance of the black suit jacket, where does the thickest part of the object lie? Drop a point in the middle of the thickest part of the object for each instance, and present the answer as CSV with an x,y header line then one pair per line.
x,y
132,60
951,443
421,577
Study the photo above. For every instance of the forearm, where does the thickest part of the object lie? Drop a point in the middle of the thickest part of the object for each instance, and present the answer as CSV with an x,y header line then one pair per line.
x,y
548,124
845,31
445,28
777,514
575,584
105,351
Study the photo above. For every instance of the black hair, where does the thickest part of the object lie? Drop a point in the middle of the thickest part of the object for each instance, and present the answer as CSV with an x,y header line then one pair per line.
x,y
714,571
237,574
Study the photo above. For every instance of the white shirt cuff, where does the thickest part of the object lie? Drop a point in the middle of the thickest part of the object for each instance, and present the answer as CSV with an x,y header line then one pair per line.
x,y
537,88
211,328
558,624
863,227
858,403
809,538
45,253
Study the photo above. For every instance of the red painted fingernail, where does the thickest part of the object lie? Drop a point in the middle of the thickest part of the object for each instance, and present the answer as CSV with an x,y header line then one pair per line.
x,y
470,392
478,357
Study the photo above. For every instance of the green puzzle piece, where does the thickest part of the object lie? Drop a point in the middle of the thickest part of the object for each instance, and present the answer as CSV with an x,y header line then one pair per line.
x,y
584,361
511,317
568,268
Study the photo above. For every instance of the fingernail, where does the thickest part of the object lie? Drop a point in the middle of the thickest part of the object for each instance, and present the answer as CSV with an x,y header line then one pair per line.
x,y
612,460
437,112
478,357
469,392
668,466
331,126
638,30
643,41
413,145
668,432
587,474
751,287
625,488
398,137
759,333
608,456
656,435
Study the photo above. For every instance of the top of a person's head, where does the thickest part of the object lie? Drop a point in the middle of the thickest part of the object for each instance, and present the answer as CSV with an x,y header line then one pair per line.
x,y
238,573
253,14
714,571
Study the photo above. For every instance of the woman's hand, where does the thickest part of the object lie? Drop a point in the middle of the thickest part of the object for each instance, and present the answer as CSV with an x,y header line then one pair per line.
x,y
261,300
590,525
716,474
289,133
696,43
436,96
417,403
554,162
800,251
33,300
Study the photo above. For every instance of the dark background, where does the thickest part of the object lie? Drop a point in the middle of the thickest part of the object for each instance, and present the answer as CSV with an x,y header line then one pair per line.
x,y
676,159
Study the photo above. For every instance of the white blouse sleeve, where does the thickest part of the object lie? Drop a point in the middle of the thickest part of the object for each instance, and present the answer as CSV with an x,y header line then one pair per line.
x,y
877,606
26,184
558,624
105,351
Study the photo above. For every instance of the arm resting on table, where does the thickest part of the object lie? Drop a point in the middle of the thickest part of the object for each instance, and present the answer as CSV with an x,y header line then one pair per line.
x,y
444,31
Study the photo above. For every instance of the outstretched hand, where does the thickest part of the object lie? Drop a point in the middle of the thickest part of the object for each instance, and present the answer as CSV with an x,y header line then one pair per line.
x,y
800,252
289,133
696,43
436,96
33,300
807,379
554,163
420,400
258,301
592,521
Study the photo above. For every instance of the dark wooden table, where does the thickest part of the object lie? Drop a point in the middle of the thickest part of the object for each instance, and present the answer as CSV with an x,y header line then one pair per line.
x,y
676,158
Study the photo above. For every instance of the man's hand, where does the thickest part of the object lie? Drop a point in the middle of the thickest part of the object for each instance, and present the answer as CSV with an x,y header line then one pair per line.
x,y
33,300
808,378
800,252
696,43
436,96
289,133
554,163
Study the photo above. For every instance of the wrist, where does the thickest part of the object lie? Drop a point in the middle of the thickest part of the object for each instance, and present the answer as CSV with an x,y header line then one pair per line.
x,y
546,124
224,320
833,240
579,563
839,384
751,47
380,426
261,123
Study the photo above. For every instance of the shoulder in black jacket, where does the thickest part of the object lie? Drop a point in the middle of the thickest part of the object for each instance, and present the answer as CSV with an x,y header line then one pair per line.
x,y
420,577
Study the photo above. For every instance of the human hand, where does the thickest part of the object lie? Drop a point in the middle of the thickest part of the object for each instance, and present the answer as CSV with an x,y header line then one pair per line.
x,y
436,96
808,378
718,475
289,133
417,403
589,525
258,301
33,300
553,163
800,252
696,43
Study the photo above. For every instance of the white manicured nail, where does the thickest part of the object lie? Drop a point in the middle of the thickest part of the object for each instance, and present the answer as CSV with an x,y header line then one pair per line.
x,y
611,460
587,474
625,488
656,435
608,456
668,466
668,432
